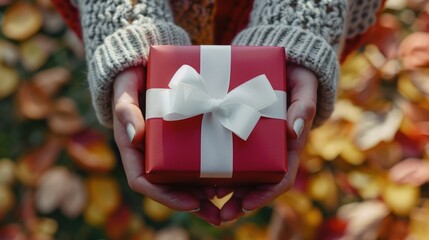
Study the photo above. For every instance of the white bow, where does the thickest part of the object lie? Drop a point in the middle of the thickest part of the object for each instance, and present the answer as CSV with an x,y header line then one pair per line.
x,y
238,111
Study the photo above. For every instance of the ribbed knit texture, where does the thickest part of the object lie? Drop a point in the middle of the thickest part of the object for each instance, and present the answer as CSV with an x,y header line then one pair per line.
x,y
310,31
118,35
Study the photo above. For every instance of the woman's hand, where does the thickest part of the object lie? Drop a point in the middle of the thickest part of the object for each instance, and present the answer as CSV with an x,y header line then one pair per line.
x,y
302,87
129,128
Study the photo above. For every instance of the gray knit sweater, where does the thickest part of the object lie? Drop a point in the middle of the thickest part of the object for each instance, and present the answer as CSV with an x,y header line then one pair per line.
x,y
118,34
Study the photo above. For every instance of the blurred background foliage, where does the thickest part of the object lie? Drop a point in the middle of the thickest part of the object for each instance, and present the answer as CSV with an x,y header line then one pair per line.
x,y
363,174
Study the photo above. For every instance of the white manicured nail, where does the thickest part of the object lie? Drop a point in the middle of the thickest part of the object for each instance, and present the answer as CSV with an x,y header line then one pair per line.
x,y
195,210
298,126
131,131
246,211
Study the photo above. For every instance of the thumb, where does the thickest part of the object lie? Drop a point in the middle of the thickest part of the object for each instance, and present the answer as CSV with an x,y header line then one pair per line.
x,y
126,107
303,87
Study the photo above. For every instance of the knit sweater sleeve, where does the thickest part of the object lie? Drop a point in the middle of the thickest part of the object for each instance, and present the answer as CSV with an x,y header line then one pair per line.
x,y
117,35
312,32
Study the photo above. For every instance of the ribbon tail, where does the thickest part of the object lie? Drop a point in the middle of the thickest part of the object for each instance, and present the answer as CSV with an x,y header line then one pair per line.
x,y
278,109
157,103
256,93
216,149
238,118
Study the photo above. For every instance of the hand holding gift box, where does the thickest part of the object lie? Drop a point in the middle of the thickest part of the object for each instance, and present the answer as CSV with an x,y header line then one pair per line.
x,y
302,90
224,125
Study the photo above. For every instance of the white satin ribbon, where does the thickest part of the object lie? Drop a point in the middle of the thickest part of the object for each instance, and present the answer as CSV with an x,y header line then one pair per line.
x,y
238,111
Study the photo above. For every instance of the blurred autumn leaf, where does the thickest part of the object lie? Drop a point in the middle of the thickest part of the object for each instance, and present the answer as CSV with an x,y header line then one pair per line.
x,y
363,175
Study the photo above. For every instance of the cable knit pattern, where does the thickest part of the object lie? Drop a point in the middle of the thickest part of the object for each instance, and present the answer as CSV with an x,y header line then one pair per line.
x,y
362,15
311,32
117,35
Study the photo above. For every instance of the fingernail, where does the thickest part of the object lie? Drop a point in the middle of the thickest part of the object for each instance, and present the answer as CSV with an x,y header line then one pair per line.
x,y
131,132
298,126
194,210
246,211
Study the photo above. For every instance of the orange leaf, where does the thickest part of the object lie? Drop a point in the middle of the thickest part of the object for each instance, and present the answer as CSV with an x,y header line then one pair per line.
x,y
64,118
21,21
32,103
91,151
377,127
34,163
414,51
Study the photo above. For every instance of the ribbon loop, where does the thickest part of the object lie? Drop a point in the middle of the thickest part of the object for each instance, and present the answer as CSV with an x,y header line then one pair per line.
x,y
238,111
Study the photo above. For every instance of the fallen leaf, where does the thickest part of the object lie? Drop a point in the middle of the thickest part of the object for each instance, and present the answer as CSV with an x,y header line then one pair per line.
x,y
419,223
385,35
359,80
46,226
52,22
52,189
51,80
8,53
21,21
7,200
155,210
323,189
368,182
384,155
332,228
414,51
408,89
401,199
363,219
7,171
119,222
173,233
249,231
33,55
91,151
285,223
377,127
9,81
64,118
75,197
421,80
32,164
393,227
12,231
94,215
411,171
104,193
33,103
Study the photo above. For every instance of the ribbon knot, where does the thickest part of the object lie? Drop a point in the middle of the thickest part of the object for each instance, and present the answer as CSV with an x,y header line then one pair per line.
x,y
237,111
216,104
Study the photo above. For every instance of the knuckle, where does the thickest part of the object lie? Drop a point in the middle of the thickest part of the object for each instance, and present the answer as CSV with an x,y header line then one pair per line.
x,y
310,108
119,108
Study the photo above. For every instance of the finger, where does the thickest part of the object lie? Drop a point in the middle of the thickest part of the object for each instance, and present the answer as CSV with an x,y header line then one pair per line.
x,y
302,84
126,102
132,160
223,191
265,194
209,213
232,209
210,192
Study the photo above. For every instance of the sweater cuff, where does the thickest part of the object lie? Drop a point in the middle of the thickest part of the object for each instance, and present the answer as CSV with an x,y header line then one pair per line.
x,y
125,48
302,48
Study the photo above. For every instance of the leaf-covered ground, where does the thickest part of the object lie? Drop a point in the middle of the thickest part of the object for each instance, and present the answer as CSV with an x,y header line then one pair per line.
x,y
363,175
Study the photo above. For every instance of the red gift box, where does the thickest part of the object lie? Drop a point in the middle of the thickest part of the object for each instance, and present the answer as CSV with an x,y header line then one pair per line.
x,y
216,115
